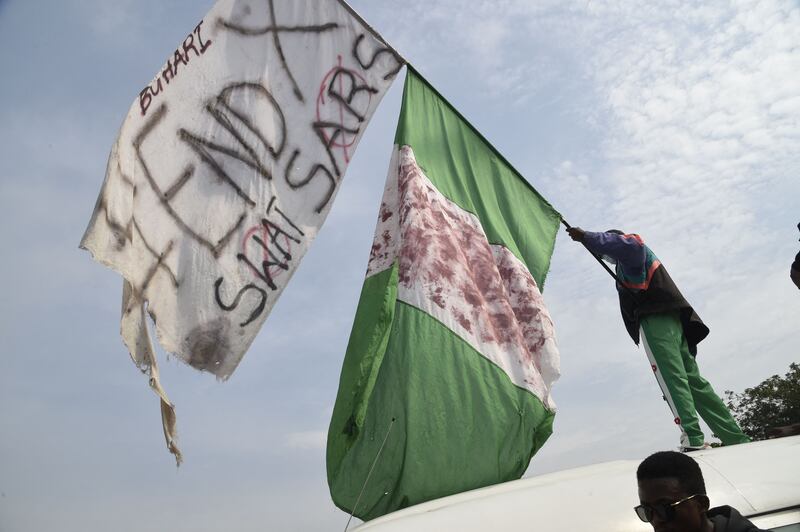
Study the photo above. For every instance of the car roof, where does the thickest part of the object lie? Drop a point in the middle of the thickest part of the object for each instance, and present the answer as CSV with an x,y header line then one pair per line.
x,y
754,478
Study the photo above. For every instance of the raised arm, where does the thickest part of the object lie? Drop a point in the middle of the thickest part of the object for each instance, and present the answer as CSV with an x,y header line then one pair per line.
x,y
627,250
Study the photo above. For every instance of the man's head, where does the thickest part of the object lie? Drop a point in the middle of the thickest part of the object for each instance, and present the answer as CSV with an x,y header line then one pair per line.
x,y
667,478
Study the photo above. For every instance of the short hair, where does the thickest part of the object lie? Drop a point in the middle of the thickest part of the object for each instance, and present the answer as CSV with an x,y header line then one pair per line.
x,y
671,464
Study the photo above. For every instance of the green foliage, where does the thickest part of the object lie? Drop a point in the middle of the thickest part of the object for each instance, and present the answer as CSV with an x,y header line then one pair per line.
x,y
773,403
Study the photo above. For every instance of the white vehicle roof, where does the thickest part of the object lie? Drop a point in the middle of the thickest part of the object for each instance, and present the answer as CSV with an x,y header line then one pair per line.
x,y
755,478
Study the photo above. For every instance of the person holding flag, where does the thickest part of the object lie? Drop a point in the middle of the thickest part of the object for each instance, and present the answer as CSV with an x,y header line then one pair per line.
x,y
653,308
794,272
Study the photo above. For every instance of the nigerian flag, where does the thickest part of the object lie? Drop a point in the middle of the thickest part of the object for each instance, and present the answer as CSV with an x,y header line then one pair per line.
x,y
452,355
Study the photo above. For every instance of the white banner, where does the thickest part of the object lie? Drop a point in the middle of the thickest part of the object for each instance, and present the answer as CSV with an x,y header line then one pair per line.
x,y
226,167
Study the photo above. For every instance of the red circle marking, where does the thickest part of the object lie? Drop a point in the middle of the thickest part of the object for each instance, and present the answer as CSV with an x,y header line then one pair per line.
x,y
321,102
274,270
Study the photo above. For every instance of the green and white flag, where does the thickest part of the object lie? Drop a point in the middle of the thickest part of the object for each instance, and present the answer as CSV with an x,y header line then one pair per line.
x,y
448,371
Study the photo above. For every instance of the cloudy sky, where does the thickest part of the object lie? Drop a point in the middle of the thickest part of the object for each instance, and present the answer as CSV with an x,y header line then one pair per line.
x,y
674,119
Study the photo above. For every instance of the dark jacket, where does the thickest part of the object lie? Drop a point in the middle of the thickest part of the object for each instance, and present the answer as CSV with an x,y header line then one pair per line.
x,y
727,519
646,287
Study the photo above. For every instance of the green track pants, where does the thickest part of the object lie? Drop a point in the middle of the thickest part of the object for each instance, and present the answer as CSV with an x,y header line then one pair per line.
x,y
686,392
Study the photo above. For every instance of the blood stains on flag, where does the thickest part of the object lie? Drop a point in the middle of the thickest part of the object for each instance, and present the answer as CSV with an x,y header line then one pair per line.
x,y
481,291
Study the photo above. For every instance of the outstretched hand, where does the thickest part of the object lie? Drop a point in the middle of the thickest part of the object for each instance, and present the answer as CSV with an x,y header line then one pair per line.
x,y
576,233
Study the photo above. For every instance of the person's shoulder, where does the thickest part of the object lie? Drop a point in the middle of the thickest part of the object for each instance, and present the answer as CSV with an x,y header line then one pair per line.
x,y
728,519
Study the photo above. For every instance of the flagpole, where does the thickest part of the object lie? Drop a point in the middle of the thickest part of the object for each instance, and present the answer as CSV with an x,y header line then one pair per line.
x,y
369,474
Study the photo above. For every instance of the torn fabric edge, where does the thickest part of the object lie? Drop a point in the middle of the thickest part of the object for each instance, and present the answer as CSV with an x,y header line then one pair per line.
x,y
133,328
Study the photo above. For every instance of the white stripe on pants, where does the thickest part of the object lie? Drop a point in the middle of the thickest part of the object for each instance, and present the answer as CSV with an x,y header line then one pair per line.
x,y
663,385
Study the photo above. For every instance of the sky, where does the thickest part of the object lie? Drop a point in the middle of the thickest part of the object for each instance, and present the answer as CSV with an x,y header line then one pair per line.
x,y
677,120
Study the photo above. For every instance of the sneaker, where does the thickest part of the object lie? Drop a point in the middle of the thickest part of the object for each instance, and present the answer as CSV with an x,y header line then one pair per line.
x,y
692,448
